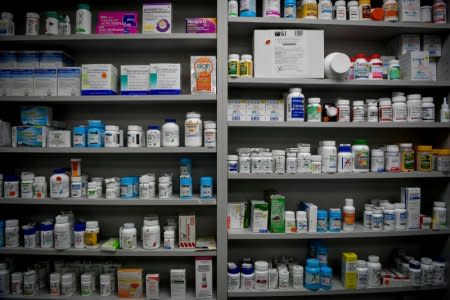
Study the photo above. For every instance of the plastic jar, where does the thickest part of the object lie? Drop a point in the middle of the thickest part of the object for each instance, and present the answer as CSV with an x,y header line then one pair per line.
x,y
193,130
86,284
12,233
4,280
415,273
428,109
361,67
392,159
322,220
295,110
62,232
147,187
83,22
233,167
304,159
360,151
153,136
312,274
210,134
79,230
394,68
374,271
95,134
414,104
372,113
92,192
128,236
325,10
169,239
335,220
385,110
326,278
390,10
59,184
247,8
329,156
11,187
308,9
51,23
151,234
105,285
316,164
206,188
424,158
439,9
425,14
443,160
348,223
135,136
283,279
164,187
279,157
247,277
39,188
364,9
32,24
358,111
377,220
26,185
340,11
399,109
268,163
126,188
343,110
79,137
170,133
233,65
389,217
291,163
314,110
290,9
246,66
16,284
400,216
233,277
261,275
362,274
46,234
353,10
76,187
244,166
91,235
406,157
439,270
376,67
67,288
439,216
112,136
233,8
367,218
337,66
256,163
271,8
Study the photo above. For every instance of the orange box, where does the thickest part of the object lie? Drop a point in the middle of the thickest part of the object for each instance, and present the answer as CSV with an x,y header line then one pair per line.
x,y
130,283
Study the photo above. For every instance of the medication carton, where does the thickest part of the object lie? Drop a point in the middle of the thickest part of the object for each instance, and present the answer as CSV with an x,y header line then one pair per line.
x,y
8,59
393,278
22,82
432,44
201,25
69,81
288,53
186,231
5,82
236,215
29,136
152,286
98,79
178,283
5,134
54,59
237,110
45,82
59,139
311,215
157,17
348,270
409,10
415,65
274,110
129,283
117,22
203,277
405,43
277,209
256,110
135,80
259,216
410,196
165,79
27,59
203,74
36,115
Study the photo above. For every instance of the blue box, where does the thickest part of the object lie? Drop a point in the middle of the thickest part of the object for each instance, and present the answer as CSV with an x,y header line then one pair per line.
x,y
54,59
36,115
29,136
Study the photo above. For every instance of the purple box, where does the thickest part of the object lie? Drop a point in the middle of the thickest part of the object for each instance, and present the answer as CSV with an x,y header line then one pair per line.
x,y
117,22
201,25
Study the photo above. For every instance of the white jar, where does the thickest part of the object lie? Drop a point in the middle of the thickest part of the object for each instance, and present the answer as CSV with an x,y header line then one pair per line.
x,y
337,65
428,109
83,19
112,136
279,157
170,133
67,286
360,151
358,111
193,129
271,8
348,223
377,220
76,187
385,110
329,156
147,188
439,216
291,163
261,275
164,187
128,236
392,159
372,113
374,268
244,163
135,136
283,276
414,104
367,219
105,285
377,161
353,10
93,190
304,162
210,134
345,159
39,188
316,164
151,234
399,109
257,163
233,167
297,276
400,216
389,217
295,101
362,274
415,273
86,284
4,280
268,162
314,110
325,10
233,8
169,239
12,233
153,136
29,236
32,24
16,283
51,23
289,221
59,184
343,110
26,185
62,232
439,271
340,11
427,271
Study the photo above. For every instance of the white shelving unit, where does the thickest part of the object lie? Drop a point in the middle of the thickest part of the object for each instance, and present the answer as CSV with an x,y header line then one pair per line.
x,y
119,99
122,150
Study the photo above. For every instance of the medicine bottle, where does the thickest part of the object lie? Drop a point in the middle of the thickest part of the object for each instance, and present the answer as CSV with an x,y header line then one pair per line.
x,y
314,110
32,24
268,163
261,275
439,12
153,136
135,136
233,277
335,220
390,10
442,160
16,284
244,166
406,157
12,233
86,284
415,273
83,19
91,235
290,8
385,110
424,158
372,113
295,110
362,274
79,137
326,278
439,221
151,234
392,159
39,188
247,277
360,151
308,9
146,187
185,187
128,236
59,184
358,111
304,160
193,130
51,23
364,9
257,163
112,136
329,156
126,188
169,239
26,185
312,274
322,220
105,285
301,221
271,8
343,107
340,11
428,109
345,159
400,216
399,109
414,104
11,187
170,134
361,67
233,164
427,271
247,8
233,8
349,216
62,232
394,68
78,235
95,134
316,164
376,67
210,134
389,217
439,270
377,220
367,218
46,234
279,157
4,280
353,10
92,192
233,65
374,268
325,10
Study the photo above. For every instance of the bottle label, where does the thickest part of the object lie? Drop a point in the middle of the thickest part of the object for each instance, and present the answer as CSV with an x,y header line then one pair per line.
x,y
400,113
232,9
408,161
341,13
425,161
386,113
297,108
361,160
361,70
391,10
349,218
377,72
314,112
309,10
90,238
94,138
394,73
428,113
344,113
233,68
312,278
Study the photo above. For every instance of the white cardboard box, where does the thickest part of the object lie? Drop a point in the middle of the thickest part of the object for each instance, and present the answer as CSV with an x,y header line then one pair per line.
x,y
236,215
178,283
45,82
157,17
409,10
275,110
406,42
186,231
256,110
432,44
59,139
288,53
69,81
22,82
203,277
98,79
415,65
411,198
165,79
135,79
237,110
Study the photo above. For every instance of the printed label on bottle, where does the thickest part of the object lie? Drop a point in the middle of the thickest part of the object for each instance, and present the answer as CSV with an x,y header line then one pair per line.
x,y
408,161
425,162
90,238
94,138
349,218
394,73
361,160
361,70
312,278
353,13
391,10
415,112
297,108
233,68
78,139
170,136
428,113
386,113
400,113
341,13
377,72
344,113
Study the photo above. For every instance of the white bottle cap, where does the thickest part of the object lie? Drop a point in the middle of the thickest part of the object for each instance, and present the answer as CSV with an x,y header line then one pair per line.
x,y
134,128
374,259
261,265
128,225
12,223
439,204
348,202
62,219
314,100
92,224
295,90
361,263
289,214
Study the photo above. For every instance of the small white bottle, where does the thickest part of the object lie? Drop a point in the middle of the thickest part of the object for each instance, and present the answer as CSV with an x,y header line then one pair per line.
x,y
26,185
151,234
340,11
414,104
389,217
374,270
289,219
372,113
153,136
362,273
193,130
400,216
439,220
325,10
302,223
428,109
348,223
170,133
233,8
377,220
445,112
329,156
12,233
210,134
128,236
261,275
295,101
83,19
415,273
59,184
62,232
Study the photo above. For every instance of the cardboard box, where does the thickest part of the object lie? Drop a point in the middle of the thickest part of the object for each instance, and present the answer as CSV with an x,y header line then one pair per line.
x,y
98,79
277,210
8,59
348,270
22,82
405,43
236,215
5,82
288,53
186,231
275,110
432,44
27,59
203,74
36,115
203,277
201,25
129,283
5,134
178,283
157,17
45,82
54,59
311,215
393,278
410,196
259,216
151,286
256,110
59,139
415,65
29,136
135,79
165,79
69,81
409,10
117,22
237,110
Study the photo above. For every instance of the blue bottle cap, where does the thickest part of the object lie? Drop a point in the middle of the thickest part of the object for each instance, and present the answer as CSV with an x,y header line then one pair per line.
x,y
170,120
95,123
312,262
156,127
79,227
345,148
11,178
59,171
46,226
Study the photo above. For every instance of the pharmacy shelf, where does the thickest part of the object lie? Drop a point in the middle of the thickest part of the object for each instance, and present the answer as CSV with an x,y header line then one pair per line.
x,y
119,99
361,30
174,42
336,85
272,124
173,201
341,176
337,289
121,150
360,232
139,252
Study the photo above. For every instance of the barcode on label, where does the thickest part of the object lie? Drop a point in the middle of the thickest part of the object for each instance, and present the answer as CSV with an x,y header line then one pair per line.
x,y
298,32
280,33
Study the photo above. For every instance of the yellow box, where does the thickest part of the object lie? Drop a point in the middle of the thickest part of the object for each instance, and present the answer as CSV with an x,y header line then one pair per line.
x,y
129,283
348,265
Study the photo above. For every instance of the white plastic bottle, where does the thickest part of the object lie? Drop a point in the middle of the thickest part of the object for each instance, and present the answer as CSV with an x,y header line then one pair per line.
x,y
153,136
325,10
59,184
62,232
271,8
233,8
445,112
295,105
193,130
83,19
362,273
170,133
389,217
428,108
374,268
210,134
329,156
399,109
26,185
128,236
348,223
151,234
400,216
12,233
439,220
414,104
261,275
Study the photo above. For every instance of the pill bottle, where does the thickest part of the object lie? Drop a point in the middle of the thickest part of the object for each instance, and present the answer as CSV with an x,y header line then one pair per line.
x,y
340,11
367,218
390,10
326,278
11,233
247,277
325,10
360,151
11,187
193,130
337,65
291,163
428,109
345,159
26,185
16,283
389,217
362,274
83,19
59,184
439,220
67,286
374,271
335,220
314,110
385,110
112,136
91,235
185,166
316,164
92,192
372,112
86,284
414,104
439,10
233,65
329,112
353,10
128,236
290,10
322,255
322,219
283,279
186,187
153,136
169,239
442,160
135,136
312,274
55,284
439,270
244,166
247,8
399,109
105,285
279,157
304,159
400,216
170,134
146,189
52,23
4,280
62,232
32,24
46,234
394,68
271,8
349,216
415,273
358,111
78,231
377,161
343,107
427,271
364,9
361,67
79,137
406,157
246,66
151,234
301,221
377,220
95,134
261,275
206,188
233,8
39,188
29,236
376,67
424,158
329,156
233,276
392,159
425,14
210,134
233,166
307,10
295,100
164,187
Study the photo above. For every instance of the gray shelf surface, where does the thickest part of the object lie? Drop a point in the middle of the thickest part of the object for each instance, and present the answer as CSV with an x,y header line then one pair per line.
x,y
342,176
337,289
336,85
121,150
173,201
116,42
117,99
366,30
360,232
272,124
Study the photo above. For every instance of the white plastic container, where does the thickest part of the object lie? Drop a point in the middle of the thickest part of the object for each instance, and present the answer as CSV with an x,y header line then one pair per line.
x,y
128,236
153,136
353,10
389,217
361,152
362,274
289,220
4,280
392,158
291,163
337,65
105,285
32,24
193,130
343,106
91,235
12,233
261,275
377,161
39,188
372,112
428,109
170,133
295,101
83,21
345,159
112,136
374,268
297,276
377,220
271,8
302,222
399,109
135,136
325,10
26,185
59,184
400,216
385,110
329,156
358,111
169,239
210,134
439,221
151,234
340,10
314,110
414,104
164,187
348,223
147,186
279,157
62,232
